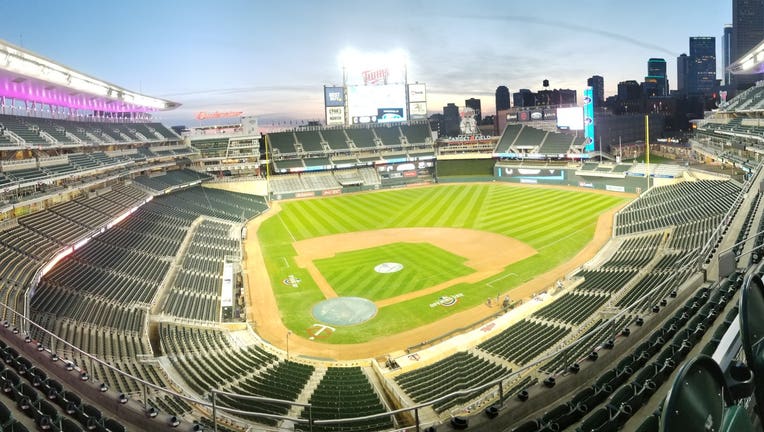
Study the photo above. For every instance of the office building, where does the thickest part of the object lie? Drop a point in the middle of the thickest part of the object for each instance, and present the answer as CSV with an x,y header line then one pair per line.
x,y
597,83
702,70
656,74
747,31
727,54
502,98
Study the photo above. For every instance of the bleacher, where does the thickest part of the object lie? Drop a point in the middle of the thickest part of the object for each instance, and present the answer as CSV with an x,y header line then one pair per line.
x,y
282,142
310,141
317,162
556,144
326,180
287,164
676,204
111,281
195,292
336,139
49,132
572,308
363,138
750,99
529,138
416,134
171,179
522,342
464,370
345,392
389,135
508,137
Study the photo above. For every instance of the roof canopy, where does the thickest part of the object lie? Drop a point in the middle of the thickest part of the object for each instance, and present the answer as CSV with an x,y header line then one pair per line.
x,y
30,77
751,62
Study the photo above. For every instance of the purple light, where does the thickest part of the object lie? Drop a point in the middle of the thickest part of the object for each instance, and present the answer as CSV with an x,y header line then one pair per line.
x,y
37,93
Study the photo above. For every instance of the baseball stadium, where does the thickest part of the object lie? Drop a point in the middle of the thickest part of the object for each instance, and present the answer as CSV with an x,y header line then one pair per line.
x,y
367,275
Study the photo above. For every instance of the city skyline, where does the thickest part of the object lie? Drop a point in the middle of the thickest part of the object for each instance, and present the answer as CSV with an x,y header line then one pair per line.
x,y
271,60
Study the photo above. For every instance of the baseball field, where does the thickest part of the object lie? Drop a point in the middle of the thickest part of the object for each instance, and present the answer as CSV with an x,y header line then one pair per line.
x,y
401,259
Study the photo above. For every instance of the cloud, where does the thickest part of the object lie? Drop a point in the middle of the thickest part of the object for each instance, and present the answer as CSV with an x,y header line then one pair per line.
x,y
576,27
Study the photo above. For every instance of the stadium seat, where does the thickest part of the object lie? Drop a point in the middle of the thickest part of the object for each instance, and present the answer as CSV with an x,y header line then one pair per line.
x,y
752,333
700,400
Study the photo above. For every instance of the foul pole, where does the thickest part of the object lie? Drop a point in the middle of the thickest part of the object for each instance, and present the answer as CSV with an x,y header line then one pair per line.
x,y
647,149
267,169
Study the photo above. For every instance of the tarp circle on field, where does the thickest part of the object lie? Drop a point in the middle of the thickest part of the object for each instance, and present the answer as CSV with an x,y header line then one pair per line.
x,y
345,311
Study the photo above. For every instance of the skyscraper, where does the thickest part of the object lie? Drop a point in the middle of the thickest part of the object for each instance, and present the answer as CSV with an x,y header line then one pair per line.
x,y
597,83
656,71
523,98
682,72
450,120
502,98
727,54
475,105
747,31
628,91
702,71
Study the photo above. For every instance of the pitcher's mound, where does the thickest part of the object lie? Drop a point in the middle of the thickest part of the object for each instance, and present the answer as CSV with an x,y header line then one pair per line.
x,y
345,311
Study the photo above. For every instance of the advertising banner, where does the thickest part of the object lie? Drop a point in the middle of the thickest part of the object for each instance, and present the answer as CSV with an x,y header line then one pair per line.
x,y
588,120
388,115
335,116
418,110
334,96
417,93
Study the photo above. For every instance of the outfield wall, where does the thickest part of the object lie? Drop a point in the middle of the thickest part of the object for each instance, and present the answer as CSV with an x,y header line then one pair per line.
x,y
567,177
468,171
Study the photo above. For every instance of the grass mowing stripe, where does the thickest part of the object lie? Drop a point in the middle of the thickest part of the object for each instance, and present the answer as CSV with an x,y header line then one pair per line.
x,y
377,207
292,226
421,208
432,215
525,225
455,214
324,223
356,214
341,223
567,213
312,225
477,203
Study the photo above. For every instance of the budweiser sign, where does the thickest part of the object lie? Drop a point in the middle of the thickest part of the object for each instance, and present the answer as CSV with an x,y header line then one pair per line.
x,y
375,76
216,115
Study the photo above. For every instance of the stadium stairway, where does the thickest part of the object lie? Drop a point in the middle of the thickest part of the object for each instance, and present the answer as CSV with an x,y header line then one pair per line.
x,y
307,391
737,225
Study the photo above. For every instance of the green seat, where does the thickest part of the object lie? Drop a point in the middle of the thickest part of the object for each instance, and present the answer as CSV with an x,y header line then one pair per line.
x,y
752,333
699,400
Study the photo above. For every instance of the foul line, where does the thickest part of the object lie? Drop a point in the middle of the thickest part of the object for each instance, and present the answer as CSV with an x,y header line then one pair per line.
x,y
490,284
286,227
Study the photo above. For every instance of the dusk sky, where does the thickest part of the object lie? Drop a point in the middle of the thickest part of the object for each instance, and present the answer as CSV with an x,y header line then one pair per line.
x,y
271,59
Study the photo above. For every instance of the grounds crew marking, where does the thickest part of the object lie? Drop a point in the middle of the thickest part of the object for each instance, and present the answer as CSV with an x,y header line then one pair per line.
x,y
388,267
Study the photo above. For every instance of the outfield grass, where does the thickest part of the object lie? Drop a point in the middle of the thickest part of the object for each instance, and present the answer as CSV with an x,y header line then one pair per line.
x,y
424,265
556,222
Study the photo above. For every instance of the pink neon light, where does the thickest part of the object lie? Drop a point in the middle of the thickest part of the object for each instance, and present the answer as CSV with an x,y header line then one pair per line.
x,y
81,101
